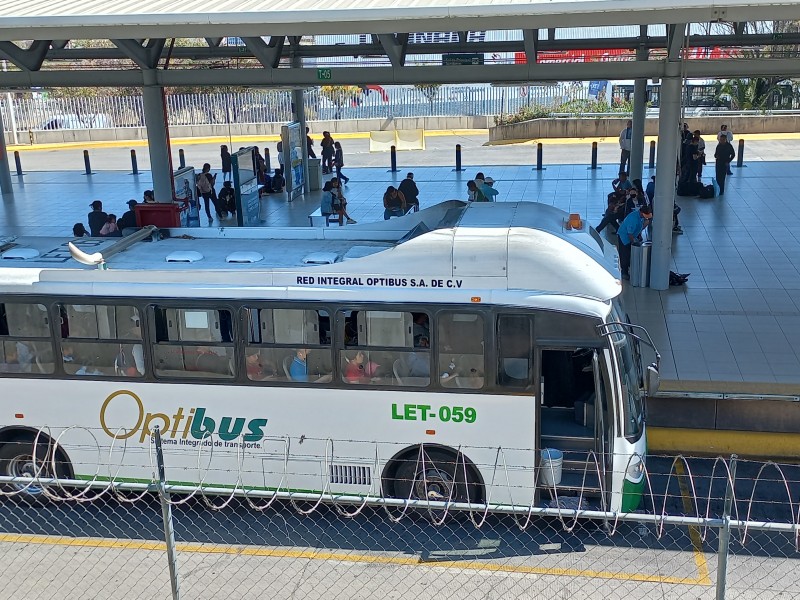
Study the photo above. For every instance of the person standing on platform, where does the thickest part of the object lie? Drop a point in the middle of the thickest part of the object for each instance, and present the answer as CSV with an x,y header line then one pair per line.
x,y
227,166
328,152
625,144
729,136
338,162
723,156
310,144
97,218
701,147
629,233
205,189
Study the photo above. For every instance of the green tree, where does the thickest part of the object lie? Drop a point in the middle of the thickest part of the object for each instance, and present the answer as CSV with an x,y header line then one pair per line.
x,y
340,96
430,91
754,93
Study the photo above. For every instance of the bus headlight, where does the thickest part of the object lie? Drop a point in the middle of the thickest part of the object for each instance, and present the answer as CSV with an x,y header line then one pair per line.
x,y
635,470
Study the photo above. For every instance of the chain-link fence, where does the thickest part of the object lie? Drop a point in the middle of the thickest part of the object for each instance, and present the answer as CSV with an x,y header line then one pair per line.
x,y
722,528
46,112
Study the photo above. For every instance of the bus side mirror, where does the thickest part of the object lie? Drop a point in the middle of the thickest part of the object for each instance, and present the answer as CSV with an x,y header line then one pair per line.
x,y
652,380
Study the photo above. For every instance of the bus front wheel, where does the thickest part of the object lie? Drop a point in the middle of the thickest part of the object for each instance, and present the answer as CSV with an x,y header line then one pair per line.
x,y
436,475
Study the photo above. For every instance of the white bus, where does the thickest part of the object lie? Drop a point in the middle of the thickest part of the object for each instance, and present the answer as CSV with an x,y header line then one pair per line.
x,y
428,357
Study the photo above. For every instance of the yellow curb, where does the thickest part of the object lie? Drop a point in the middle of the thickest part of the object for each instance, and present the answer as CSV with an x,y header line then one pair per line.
x,y
752,444
648,138
234,140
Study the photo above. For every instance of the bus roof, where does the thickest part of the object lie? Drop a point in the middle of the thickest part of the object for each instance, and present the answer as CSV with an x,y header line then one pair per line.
x,y
450,247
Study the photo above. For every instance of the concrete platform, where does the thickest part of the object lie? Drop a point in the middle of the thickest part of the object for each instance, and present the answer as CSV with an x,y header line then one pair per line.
x,y
735,327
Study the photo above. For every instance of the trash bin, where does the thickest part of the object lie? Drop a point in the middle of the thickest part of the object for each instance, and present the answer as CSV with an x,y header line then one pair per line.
x,y
552,461
315,173
640,264
160,214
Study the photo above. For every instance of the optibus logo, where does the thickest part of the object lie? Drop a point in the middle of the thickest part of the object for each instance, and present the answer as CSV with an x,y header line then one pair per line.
x,y
122,416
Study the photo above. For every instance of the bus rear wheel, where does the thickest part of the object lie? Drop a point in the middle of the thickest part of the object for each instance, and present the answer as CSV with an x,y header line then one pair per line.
x,y
438,476
17,460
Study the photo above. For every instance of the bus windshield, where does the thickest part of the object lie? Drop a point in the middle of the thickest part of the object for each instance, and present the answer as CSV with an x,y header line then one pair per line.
x,y
633,413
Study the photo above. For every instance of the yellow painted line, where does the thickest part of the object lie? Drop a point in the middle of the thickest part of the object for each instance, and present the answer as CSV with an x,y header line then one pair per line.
x,y
338,556
647,139
237,139
752,444
694,533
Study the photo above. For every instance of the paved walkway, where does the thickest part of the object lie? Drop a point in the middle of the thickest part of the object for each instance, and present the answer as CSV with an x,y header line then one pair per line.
x,y
734,327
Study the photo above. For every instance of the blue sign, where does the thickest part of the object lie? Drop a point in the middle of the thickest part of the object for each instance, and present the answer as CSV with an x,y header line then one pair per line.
x,y
597,89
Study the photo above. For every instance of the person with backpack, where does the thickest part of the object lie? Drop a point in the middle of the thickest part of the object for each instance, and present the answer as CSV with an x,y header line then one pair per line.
x,y
205,189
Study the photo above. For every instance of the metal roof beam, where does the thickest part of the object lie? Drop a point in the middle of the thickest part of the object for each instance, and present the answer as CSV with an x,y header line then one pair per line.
x,y
269,55
395,47
59,44
27,60
676,35
213,42
146,56
530,41
406,75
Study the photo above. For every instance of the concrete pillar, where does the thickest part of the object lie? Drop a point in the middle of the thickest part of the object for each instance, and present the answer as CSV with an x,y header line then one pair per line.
x,y
639,115
5,169
157,137
300,115
669,115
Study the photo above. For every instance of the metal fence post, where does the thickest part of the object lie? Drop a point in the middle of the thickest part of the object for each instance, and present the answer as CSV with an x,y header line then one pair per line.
x,y
393,157
458,158
539,156
740,155
181,158
725,533
87,163
166,514
18,163
594,156
652,163
134,163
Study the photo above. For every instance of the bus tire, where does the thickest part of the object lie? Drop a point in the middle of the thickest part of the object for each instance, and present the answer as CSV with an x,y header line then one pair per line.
x,y
445,477
16,460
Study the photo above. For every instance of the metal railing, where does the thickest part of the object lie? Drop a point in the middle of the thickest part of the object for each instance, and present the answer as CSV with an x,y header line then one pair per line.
x,y
45,111
712,528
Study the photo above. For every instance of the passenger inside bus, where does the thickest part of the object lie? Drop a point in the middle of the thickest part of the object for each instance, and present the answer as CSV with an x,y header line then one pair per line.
x,y
360,369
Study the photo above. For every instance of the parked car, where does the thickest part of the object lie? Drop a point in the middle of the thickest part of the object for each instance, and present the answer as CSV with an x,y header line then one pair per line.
x,y
75,121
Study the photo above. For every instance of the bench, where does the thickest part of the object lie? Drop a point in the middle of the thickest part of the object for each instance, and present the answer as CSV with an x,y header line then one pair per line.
x,y
317,219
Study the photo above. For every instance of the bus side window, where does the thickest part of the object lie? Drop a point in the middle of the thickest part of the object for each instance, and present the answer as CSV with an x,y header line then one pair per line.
x,y
101,340
385,348
194,343
515,351
25,345
460,340
288,345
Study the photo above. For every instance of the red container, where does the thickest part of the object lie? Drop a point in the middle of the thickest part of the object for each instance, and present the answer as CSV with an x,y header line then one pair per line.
x,y
160,214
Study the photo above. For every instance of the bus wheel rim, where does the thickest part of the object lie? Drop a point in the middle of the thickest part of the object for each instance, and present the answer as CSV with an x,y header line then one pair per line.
x,y
434,484
24,467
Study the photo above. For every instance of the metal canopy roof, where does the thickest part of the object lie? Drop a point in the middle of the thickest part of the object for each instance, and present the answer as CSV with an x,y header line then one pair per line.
x,y
274,47
23,19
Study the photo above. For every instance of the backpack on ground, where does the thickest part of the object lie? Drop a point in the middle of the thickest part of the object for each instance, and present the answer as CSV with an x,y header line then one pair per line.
x,y
706,192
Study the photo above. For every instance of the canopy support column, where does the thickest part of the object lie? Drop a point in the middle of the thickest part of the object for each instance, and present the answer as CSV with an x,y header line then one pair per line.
x,y
666,161
155,118
5,169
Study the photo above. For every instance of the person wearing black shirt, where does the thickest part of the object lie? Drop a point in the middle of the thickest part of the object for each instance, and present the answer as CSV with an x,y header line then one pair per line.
x,y
97,218
128,220
724,155
410,191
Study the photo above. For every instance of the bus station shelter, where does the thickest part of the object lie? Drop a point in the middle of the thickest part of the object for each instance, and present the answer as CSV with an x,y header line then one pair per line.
x,y
154,44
